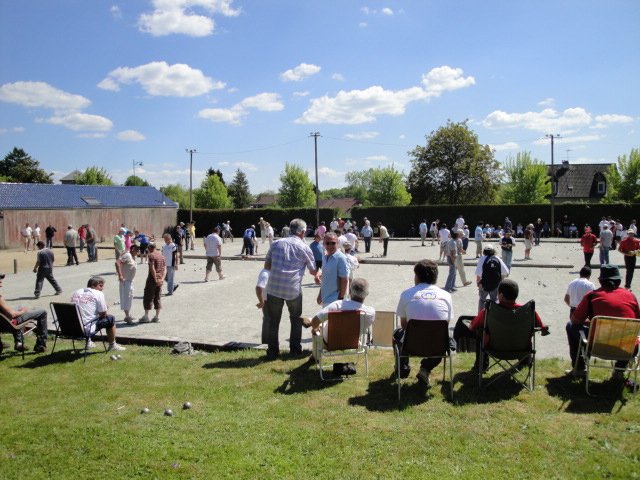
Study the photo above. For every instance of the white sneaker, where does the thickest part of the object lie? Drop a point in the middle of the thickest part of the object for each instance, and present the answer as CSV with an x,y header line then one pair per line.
x,y
90,343
155,319
115,346
144,319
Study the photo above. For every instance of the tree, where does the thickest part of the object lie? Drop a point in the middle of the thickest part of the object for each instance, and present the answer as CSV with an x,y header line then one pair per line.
x,y
624,181
94,176
136,181
212,194
17,166
211,171
453,168
239,190
177,193
330,193
526,180
378,187
296,190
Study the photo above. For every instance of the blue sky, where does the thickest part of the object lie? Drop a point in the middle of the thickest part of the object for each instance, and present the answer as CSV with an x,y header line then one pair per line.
x,y
244,82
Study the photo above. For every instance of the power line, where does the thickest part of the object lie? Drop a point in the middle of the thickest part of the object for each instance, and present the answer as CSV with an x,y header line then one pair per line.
x,y
257,149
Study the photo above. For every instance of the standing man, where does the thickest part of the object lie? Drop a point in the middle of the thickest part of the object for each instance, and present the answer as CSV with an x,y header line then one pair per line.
x,y
152,287
178,239
35,235
451,252
606,238
70,242
82,236
335,272
192,230
478,237
263,231
322,229
459,260
506,243
118,242
249,236
444,236
213,251
26,233
286,260
22,315
187,237
44,269
424,301
489,273
49,232
384,238
578,288
126,267
629,247
588,243
93,311
367,234
170,254
422,229
90,237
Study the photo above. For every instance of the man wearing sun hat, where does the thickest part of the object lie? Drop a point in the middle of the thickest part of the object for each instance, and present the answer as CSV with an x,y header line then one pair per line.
x,y
608,300
628,247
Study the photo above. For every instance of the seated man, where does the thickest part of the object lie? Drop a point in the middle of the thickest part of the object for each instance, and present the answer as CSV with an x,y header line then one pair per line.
x,y
423,301
358,290
92,306
508,291
22,315
608,300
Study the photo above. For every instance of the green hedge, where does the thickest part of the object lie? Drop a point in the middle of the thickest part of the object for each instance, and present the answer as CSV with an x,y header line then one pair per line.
x,y
242,219
399,219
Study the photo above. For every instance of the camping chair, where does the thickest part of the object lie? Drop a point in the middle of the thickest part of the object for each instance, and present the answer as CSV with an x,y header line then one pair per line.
x,y
382,329
68,322
7,326
426,339
344,338
511,344
613,339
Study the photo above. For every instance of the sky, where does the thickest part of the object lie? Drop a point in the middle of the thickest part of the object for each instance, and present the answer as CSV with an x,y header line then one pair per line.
x,y
244,83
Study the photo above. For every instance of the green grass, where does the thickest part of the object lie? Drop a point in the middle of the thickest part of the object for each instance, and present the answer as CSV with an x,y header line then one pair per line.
x,y
254,419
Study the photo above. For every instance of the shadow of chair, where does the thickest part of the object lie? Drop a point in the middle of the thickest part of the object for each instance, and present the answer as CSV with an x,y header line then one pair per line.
x,y
346,336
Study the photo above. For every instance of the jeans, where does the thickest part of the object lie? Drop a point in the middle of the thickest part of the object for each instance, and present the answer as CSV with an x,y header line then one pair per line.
x,y
171,271
71,256
274,307
81,245
91,251
507,256
630,264
385,244
451,278
247,246
604,255
48,274
537,234
40,316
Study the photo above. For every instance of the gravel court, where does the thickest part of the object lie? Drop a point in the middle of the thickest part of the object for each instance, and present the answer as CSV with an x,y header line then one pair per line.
x,y
223,312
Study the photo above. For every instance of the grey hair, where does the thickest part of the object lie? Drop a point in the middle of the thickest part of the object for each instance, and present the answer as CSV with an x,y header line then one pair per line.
x,y
297,226
95,281
359,288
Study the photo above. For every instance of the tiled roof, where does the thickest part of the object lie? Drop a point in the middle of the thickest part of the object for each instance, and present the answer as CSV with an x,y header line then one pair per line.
x,y
36,195
265,199
580,180
340,204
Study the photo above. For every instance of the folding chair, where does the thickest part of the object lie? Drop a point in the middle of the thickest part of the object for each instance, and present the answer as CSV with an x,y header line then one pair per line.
x,y
512,343
612,339
69,325
382,329
426,339
7,326
345,337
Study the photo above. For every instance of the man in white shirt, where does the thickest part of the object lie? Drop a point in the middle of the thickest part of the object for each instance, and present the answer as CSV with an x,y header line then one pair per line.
x,y
126,268
213,250
578,288
422,229
93,310
26,233
170,254
459,222
424,301
444,234
351,238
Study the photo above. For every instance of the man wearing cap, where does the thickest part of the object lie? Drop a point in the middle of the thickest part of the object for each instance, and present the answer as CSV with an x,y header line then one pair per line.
x,y
489,273
152,287
22,315
118,242
71,239
629,247
608,300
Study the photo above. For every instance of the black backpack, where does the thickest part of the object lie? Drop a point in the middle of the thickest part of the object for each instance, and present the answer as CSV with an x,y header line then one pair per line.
x,y
491,274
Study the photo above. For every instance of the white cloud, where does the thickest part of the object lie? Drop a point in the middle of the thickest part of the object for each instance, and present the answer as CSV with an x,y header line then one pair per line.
x,y
570,139
92,135
361,135
604,121
246,166
387,11
329,172
363,25
265,102
161,79
364,106
130,136
505,146
41,94
12,130
178,17
547,102
301,94
116,12
548,120
377,158
79,122
338,77
299,73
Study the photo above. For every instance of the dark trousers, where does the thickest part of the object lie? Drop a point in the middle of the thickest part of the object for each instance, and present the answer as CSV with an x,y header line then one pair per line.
x,y
247,246
72,255
274,307
40,316
40,276
91,251
427,363
630,264
367,244
49,242
587,258
385,244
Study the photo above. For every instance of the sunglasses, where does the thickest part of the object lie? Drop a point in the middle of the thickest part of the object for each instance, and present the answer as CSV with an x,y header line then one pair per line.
x,y
329,243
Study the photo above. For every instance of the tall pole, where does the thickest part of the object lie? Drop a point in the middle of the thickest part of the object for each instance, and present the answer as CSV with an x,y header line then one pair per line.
x,y
315,136
554,184
190,151
133,164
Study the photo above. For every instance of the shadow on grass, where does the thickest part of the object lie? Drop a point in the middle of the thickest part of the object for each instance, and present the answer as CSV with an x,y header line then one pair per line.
x,y
469,392
574,398
59,356
304,378
237,363
382,395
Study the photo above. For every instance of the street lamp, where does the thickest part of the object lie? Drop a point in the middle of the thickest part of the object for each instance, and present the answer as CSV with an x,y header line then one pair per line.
x,y
133,165
554,183
190,152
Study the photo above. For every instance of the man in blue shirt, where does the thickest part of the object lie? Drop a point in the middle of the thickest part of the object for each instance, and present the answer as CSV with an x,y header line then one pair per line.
x,y
335,272
247,239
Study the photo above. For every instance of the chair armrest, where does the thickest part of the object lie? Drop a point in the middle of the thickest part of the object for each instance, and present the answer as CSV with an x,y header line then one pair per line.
x,y
544,331
583,337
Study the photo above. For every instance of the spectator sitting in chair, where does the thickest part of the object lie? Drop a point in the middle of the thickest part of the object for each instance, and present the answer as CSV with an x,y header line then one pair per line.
x,y
358,290
20,316
93,311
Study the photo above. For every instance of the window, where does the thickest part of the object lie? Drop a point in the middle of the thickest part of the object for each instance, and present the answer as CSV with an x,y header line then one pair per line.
x,y
602,187
91,201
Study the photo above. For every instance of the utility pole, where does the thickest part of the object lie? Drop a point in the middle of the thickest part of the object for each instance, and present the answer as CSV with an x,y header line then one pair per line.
x,y
554,184
190,152
315,136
